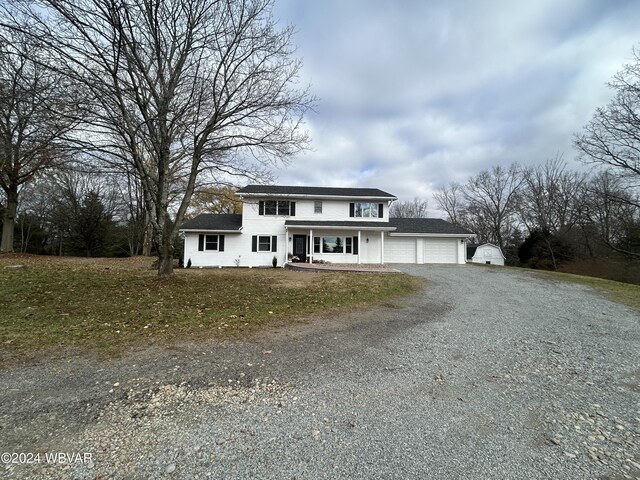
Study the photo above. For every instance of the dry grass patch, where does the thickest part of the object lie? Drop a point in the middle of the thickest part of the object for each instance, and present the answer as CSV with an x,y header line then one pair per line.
x,y
625,293
108,305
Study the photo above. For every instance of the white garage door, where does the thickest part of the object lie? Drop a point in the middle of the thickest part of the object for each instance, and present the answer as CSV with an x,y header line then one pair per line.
x,y
399,250
440,250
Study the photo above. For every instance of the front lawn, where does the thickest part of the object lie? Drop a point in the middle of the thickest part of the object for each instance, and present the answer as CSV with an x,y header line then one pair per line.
x,y
108,305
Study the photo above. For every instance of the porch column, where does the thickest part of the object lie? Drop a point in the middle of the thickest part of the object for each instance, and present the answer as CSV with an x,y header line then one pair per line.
x,y
310,245
359,245
382,247
286,247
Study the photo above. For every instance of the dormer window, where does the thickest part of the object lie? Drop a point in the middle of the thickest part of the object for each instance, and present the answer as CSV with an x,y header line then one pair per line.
x,y
284,208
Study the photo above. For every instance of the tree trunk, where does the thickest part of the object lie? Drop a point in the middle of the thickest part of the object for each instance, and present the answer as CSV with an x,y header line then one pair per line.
x,y
8,221
146,242
165,258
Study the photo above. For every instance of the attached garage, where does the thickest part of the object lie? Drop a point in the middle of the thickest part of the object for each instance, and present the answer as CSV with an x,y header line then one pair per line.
x,y
425,240
441,250
400,250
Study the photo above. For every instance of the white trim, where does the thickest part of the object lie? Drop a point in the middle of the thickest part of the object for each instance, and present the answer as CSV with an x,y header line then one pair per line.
x,y
359,245
205,230
327,196
442,235
337,227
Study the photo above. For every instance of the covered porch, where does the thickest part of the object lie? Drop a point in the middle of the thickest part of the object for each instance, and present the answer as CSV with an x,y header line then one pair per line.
x,y
335,242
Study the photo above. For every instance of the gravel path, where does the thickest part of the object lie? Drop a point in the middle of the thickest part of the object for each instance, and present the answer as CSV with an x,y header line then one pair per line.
x,y
488,373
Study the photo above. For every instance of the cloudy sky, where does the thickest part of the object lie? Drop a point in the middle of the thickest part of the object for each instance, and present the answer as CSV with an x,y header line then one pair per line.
x,y
414,94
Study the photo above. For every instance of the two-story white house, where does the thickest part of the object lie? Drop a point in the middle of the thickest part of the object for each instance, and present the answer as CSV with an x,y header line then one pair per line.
x,y
337,225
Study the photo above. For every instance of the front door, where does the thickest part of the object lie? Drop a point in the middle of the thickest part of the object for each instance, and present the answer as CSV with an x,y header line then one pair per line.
x,y
300,247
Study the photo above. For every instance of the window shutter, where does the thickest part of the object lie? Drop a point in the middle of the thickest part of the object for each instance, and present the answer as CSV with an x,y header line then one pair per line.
x,y
200,242
380,210
261,207
293,209
316,244
352,209
355,245
254,243
274,244
221,243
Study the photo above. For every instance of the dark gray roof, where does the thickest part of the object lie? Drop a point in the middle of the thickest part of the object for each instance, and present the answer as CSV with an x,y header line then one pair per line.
x,y
316,191
333,223
427,225
214,221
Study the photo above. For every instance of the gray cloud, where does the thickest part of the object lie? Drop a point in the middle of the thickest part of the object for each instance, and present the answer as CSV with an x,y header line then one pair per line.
x,y
415,94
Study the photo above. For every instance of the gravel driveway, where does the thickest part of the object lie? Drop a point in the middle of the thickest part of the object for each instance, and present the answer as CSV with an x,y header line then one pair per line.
x,y
487,373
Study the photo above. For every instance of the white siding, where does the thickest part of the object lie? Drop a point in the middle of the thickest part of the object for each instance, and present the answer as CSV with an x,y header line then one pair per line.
x,y
441,250
400,250
488,254
331,210
236,247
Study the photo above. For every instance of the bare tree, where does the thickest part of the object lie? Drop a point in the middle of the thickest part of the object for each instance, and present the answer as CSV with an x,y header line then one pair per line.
x,y
33,122
612,140
176,88
550,202
550,197
451,200
491,203
612,137
416,208
611,212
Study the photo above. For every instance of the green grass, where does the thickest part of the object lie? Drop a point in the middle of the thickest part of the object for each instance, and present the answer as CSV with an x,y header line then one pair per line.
x,y
108,305
625,293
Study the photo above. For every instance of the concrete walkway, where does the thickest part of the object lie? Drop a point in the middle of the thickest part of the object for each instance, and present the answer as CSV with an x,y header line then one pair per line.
x,y
342,267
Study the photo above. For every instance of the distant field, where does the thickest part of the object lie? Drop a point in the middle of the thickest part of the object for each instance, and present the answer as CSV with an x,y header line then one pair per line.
x,y
108,305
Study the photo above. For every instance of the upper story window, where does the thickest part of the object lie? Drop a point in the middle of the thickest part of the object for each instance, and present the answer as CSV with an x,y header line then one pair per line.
x,y
317,206
277,207
366,210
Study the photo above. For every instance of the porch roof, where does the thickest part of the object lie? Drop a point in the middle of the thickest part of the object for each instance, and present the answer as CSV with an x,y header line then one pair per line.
x,y
340,225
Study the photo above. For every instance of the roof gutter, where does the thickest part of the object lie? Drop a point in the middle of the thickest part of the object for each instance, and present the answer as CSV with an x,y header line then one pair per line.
x,y
447,235
300,195
195,230
343,227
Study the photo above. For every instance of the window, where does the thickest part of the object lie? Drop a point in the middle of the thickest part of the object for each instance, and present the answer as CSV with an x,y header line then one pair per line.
x,y
366,210
277,207
270,207
210,243
317,206
332,244
284,208
264,243
335,245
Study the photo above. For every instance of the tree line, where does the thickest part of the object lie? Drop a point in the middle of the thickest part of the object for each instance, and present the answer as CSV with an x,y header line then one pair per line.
x,y
160,99
116,117
547,214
